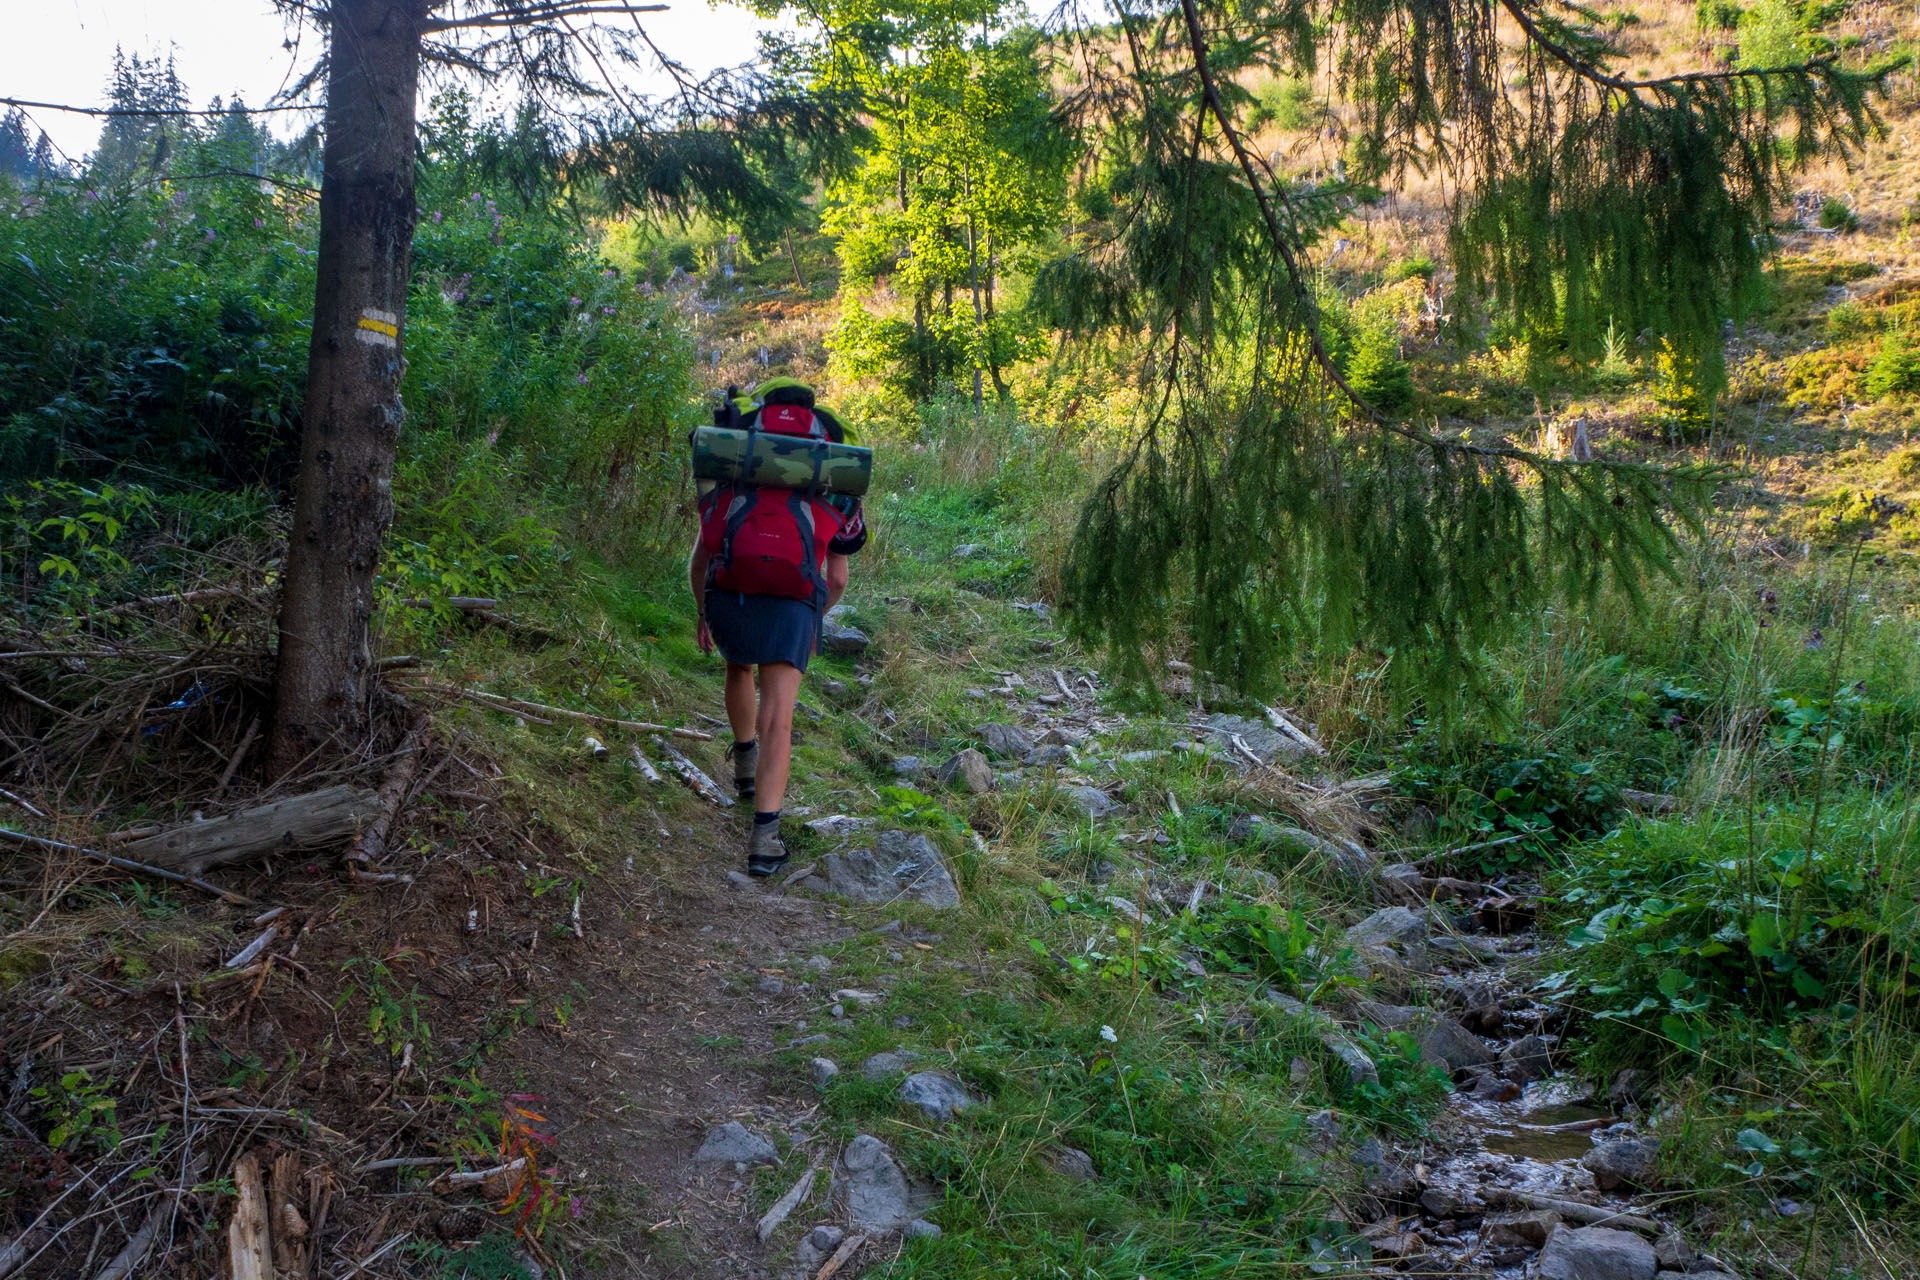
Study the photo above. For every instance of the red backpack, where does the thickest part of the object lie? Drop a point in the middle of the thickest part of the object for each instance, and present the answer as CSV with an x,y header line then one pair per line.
x,y
766,541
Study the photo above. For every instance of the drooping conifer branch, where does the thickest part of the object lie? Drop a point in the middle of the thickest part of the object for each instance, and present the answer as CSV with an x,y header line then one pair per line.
x,y
1264,507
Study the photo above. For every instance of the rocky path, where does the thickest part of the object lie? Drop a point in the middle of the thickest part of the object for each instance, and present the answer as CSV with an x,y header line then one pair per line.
x,y
674,1095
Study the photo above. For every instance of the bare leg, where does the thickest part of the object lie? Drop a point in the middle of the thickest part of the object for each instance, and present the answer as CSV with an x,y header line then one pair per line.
x,y
740,710
779,686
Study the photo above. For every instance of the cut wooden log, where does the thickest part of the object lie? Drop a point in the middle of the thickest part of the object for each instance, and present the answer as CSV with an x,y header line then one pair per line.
x,y
596,748
465,604
645,766
297,822
1278,719
249,1238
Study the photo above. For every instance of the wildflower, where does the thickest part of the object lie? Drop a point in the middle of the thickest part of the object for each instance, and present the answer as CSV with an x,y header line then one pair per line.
x,y
259,222
607,311
574,302
209,235
437,216
733,239
1107,1034
581,378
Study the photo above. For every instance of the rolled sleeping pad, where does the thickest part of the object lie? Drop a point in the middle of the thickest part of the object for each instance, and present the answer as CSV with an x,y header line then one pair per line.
x,y
722,454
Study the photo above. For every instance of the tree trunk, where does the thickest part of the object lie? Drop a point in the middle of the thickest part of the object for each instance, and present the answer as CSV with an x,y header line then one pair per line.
x,y
343,498
973,271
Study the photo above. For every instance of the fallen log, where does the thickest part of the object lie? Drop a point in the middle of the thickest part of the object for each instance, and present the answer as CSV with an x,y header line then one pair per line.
x,y
1278,719
786,1204
201,596
297,822
1590,1215
23,840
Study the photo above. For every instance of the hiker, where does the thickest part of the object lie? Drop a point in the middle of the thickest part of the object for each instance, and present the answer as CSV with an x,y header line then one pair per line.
x,y
768,564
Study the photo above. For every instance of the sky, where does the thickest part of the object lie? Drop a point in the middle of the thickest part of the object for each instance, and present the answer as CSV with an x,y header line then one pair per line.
x,y
61,50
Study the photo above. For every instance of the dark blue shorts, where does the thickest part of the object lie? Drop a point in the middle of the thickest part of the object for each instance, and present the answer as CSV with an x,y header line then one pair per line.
x,y
752,630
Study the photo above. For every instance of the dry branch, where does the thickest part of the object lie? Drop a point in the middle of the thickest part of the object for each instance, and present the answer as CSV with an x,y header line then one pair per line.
x,y
202,596
298,822
690,773
644,765
371,845
475,1177
251,952
786,1204
520,706
1278,719
848,1247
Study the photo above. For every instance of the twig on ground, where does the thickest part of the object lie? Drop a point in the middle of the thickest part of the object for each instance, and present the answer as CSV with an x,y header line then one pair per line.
x,y
239,754
392,793
500,702
690,773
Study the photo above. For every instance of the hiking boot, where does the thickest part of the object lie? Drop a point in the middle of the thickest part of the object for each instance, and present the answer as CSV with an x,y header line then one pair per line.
x,y
746,758
765,853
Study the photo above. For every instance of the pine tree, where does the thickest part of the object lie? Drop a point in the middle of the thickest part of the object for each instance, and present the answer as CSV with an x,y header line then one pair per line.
x,y
1264,508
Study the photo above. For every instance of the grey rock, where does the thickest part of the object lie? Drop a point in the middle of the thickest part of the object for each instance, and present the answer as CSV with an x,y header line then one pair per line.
x,y
769,985
873,1187
837,1011
1522,1230
1672,1252
819,964
1064,736
1527,1059
1442,1040
900,865
1141,757
1393,936
921,1229
1360,1068
732,1143
969,771
1349,861
1628,1163
822,1071
844,641
908,766
1324,1129
968,550
806,1041
741,880
1300,1073
1262,739
839,826
1596,1253
882,1065
1630,1088
1005,740
1049,757
826,1237
1451,1202
1091,801
940,1096
1071,1163
807,1258
1382,1172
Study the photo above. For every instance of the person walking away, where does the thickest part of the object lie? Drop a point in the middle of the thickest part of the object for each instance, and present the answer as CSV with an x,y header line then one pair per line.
x,y
767,565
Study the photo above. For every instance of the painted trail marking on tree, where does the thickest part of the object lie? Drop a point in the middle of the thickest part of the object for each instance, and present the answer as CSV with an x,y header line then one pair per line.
x,y
381,328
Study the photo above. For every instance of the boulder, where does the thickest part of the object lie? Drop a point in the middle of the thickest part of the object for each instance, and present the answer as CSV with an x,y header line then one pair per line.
x,y
900,865
839,826
1526,1059
1672,1252
921,1229
905,767
1005,740
844,641
1048,757
1064,736
1596,1253
1383,1173
1630,1088
874,1190
1626,1163
732,1143
940,1096
969,771
1091,801
1348,859
822,1071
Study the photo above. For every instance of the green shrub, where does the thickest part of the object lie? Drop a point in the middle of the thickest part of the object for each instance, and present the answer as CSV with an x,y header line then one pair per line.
x,y
1287,103
1837,215
1717,15
1896,366
1771,36
1502,789
1418,263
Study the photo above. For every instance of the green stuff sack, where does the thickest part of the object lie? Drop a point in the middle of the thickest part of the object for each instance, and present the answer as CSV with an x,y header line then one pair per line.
x,y
776,461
